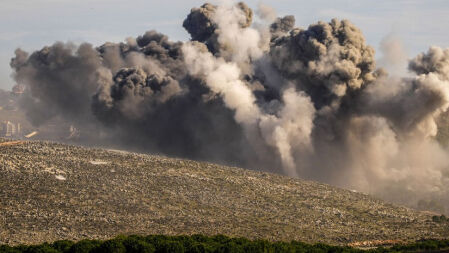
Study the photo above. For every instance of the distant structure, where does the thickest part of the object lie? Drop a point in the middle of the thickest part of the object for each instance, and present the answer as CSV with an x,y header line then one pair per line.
x,y
18,90
11,106
9,129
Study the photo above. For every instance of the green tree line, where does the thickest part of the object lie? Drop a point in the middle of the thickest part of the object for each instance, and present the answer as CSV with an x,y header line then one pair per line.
x,y
203,244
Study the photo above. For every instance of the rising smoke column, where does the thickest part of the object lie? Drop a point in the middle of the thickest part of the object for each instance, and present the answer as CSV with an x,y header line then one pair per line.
x,y
302,102
60,80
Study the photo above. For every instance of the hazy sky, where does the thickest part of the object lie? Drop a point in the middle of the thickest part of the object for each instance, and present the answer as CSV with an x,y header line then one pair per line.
x,y
32,24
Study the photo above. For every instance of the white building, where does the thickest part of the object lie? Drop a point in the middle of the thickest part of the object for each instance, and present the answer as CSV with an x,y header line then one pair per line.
x,y
9,129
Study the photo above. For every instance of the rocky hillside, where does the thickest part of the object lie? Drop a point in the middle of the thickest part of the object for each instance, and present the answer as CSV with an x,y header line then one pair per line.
x,y
53,191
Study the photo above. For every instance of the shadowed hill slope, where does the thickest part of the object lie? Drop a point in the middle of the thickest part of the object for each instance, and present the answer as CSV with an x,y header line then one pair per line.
x,y
52,191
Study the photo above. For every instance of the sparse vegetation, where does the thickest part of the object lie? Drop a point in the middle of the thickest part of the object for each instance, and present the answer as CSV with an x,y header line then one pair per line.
x,y
52,191
440,219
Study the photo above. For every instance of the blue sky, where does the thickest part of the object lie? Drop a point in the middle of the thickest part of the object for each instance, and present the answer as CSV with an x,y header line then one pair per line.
x,y
32,24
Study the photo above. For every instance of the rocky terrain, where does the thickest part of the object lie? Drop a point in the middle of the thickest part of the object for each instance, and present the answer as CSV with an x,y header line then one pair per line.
x,y
52,191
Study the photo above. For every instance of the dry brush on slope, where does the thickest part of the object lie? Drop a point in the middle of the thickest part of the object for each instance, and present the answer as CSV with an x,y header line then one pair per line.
x,y
52,191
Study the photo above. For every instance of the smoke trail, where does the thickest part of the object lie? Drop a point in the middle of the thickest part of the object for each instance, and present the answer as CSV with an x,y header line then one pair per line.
x,y
269,96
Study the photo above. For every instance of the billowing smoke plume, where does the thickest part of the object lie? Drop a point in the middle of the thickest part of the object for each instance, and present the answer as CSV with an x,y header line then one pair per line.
x,y
269,96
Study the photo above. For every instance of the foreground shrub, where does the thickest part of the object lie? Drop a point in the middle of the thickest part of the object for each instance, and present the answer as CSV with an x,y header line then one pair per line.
x,y
203,244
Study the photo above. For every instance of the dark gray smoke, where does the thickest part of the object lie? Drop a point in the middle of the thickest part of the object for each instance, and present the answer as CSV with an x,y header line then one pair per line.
x,y
269,96
203,23
60,81
281,26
